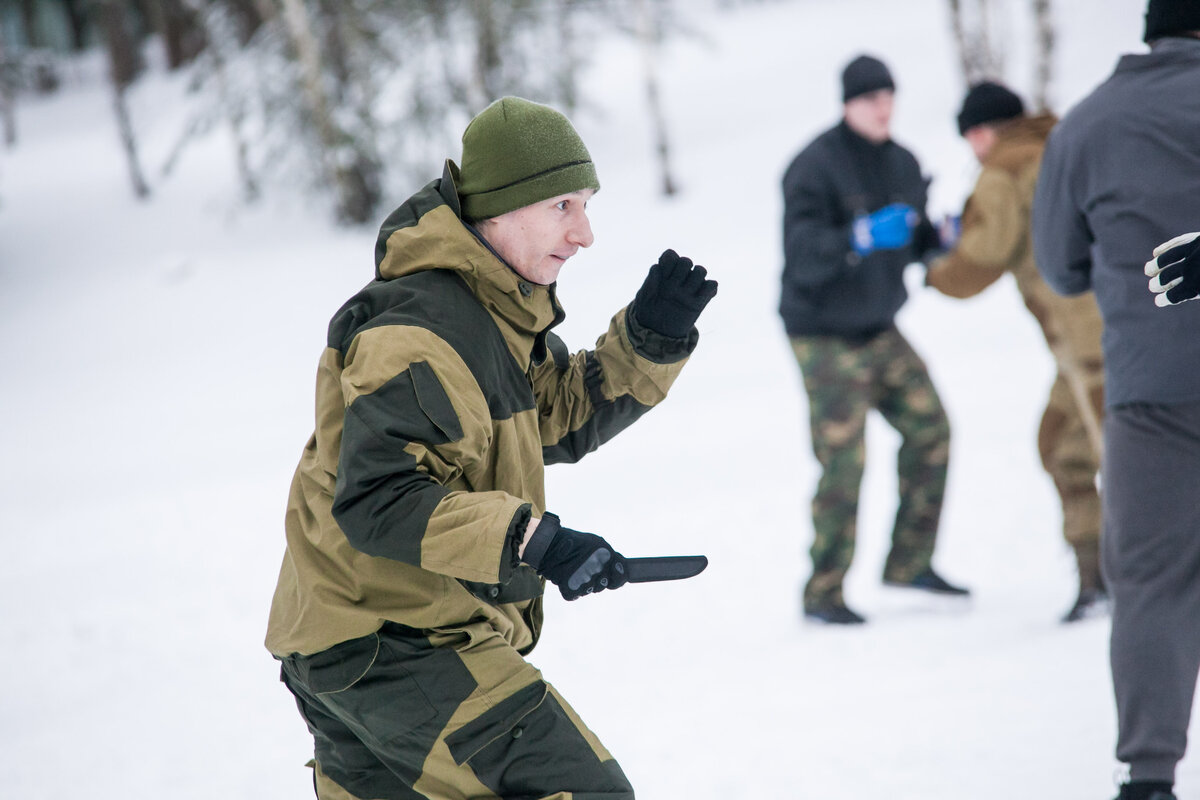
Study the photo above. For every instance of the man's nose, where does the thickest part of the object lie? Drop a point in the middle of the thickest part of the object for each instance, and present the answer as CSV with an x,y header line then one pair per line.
x,y
581,232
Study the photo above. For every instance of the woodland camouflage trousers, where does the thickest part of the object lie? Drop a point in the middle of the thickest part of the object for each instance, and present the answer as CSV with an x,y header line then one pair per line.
x,y
845,379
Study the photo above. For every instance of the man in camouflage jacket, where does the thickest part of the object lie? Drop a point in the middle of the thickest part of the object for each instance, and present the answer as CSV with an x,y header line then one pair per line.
x,y
418,538
996,239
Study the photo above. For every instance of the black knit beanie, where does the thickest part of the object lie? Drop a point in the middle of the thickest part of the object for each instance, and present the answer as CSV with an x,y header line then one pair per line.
x,y
988,102
516,153
1171,17
863,75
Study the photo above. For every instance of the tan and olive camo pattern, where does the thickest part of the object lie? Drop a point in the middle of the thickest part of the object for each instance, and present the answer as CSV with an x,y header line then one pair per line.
x,y
440,397
997,239
402,614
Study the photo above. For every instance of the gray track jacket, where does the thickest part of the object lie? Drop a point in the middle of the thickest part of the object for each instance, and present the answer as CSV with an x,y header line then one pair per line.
x,y
1120,175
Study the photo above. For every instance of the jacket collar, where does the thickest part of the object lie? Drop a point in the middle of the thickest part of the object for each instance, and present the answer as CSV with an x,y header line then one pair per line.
x,y
428,232
857,140
1170,49
1018,139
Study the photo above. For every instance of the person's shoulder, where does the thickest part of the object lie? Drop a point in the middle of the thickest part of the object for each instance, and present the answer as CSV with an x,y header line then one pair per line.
x,y
896,150
418,298
1104,102
814,158
1020,144
821,144
899,154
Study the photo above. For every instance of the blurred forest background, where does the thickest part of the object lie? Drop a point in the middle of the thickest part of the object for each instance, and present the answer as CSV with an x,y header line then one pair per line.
x,y
354,101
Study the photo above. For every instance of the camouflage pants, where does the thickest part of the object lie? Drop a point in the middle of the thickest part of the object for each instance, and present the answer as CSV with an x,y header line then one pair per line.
x,y
844,380
1070,457
448,714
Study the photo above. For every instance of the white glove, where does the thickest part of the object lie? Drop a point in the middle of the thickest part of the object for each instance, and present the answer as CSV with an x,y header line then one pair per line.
x,y
1174,271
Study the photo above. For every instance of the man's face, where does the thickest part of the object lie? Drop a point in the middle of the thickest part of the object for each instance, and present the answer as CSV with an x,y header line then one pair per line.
x,y
870,115
537,240
981,138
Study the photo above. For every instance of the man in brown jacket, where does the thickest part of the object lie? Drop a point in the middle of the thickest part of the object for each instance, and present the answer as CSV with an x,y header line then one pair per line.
x,y
418,536
996,239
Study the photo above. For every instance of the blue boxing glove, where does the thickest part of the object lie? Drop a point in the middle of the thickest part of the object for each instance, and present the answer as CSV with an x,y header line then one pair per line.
x,y
889,228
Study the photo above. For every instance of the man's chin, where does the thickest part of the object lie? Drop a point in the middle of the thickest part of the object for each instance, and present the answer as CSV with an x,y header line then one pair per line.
x,y
549,273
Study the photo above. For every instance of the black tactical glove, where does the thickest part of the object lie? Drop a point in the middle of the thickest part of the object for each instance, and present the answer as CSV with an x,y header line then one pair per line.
x,y
1175,270
577,563
673,295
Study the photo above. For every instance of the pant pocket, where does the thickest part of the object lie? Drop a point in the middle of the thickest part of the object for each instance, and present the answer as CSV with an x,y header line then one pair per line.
x,y
335,669
367,685
498,721
529,746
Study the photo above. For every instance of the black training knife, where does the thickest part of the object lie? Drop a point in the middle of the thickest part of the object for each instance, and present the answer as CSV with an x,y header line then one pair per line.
x,y
664,568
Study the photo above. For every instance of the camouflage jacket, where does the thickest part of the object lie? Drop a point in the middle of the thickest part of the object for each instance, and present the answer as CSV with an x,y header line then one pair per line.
x,y
996,238
441,395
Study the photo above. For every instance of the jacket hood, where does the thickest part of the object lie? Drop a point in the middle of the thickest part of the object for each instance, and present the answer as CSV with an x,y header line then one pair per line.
x,y
1020,140
427,232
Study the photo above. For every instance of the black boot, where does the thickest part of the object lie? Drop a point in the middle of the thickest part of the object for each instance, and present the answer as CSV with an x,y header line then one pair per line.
x,y
833,613
928,581
1091,603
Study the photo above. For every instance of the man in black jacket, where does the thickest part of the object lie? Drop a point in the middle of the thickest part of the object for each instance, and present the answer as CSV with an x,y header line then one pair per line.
x,y
854,217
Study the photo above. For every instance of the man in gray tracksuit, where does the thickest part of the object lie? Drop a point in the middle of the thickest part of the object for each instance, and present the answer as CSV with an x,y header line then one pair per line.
x,y
1118,177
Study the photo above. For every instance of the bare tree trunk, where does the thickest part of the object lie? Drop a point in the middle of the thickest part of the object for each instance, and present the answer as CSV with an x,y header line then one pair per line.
x,y
487,53
1044,66
250,15
352,204
570,66
647,36
978,54
960,38
33,33
129,142
180,30
77,14
360,161
233,107
124,61
991,63
124,64
38,63
8,97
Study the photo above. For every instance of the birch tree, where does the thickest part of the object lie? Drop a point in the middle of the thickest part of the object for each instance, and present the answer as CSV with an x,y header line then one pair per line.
x,y
1043,73
352,188
647,35
8,97
362,99
980,53
124,64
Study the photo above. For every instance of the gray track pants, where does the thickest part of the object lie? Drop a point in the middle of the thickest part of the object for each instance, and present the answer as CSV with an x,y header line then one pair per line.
x,y
1151,560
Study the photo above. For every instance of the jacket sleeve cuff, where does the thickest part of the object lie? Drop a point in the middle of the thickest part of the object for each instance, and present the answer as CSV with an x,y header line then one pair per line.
x,y
653,346
539,543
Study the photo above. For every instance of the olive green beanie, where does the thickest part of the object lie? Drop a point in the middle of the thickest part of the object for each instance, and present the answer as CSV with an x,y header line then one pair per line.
x,y
516,153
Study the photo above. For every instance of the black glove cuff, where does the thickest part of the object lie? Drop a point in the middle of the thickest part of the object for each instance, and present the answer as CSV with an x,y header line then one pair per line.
x,y
654,346
539,543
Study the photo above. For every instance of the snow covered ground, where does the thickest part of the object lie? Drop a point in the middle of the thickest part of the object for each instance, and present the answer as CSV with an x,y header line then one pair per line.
x,y
157,391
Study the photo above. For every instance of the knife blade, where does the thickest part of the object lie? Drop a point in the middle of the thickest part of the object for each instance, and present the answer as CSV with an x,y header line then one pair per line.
x,y
664,568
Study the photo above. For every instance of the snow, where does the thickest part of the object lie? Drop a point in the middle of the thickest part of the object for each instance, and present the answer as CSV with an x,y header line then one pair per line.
x,y
158,389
